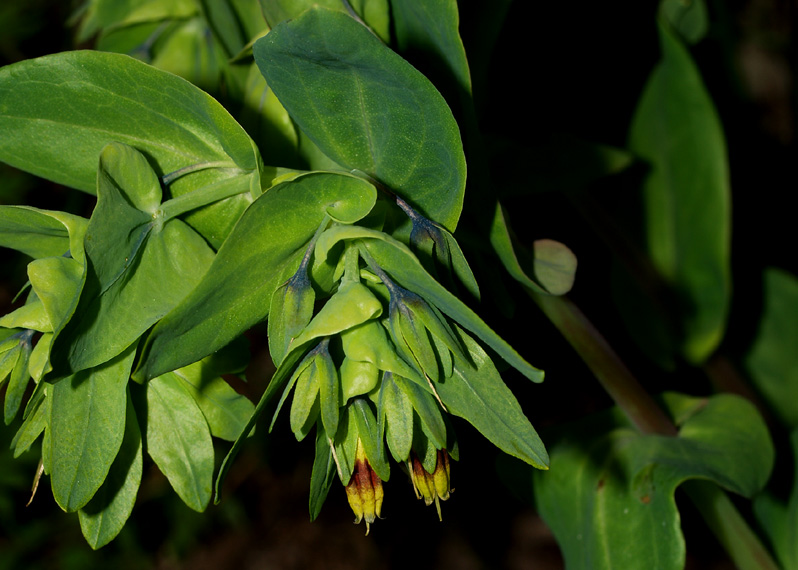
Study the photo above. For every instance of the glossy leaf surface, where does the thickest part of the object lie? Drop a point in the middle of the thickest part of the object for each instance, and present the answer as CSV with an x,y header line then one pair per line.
x,y
367,108
59,111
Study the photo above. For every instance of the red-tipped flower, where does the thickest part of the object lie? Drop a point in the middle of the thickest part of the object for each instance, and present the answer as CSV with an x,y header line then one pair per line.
x,y
364,490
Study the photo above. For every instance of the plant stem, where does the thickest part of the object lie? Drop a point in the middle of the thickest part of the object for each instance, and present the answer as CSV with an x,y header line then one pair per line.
x,y
728,526
204,196
608,368
740,542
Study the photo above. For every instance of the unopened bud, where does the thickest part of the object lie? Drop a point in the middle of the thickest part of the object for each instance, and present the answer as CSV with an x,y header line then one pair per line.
x,y
364,490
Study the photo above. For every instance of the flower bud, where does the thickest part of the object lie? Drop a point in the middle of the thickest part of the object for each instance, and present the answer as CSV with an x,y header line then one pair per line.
x,y
433,486
364,491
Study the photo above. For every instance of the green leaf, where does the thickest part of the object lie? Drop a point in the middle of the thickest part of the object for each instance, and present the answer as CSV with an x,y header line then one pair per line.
x,y
57,282
608,482
18,383
36,233
400,263
130,250
551,265
321,478
367,108
396,418
427,409
87,424
779,520
59,111
236,291
105,515
477,393
178,440
429,30
33,426
373,12
772,361
688,17
686,195
369,434
225,410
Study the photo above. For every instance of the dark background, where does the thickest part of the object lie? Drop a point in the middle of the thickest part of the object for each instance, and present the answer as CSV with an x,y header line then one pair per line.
x,y
558,67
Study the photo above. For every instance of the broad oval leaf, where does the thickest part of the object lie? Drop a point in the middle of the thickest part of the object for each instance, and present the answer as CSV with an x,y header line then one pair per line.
x,y
676,129
107,512
236,291
367,108
179,441
58,111
87,425
608,482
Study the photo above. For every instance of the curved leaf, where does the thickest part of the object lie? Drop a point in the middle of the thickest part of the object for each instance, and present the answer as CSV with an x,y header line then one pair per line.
x,y
105,515
178,440
367,108
236,291
608,482
59,111
676,129
87,425
477,393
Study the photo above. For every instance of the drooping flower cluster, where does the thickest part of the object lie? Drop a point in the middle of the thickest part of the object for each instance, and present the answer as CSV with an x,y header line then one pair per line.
x,y
373,369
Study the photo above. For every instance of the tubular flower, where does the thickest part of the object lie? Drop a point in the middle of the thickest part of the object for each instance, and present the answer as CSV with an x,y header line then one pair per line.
x,y
364,491
433,486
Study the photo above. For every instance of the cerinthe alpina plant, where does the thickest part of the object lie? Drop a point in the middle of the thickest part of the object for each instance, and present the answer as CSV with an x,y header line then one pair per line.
x,y
283,165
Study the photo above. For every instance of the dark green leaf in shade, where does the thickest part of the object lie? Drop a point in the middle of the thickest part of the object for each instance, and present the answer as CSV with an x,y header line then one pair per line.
x,y
676,130
179,441
86,428
59,111
772,361
290,311
236,291
105,515
429,30
608,482
367,109
18,381
549,268
129,249
35,422
323,474
688,17
779,519
477,393
373,13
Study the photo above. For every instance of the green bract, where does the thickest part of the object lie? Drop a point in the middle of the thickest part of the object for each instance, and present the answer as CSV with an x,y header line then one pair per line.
x,y
344,245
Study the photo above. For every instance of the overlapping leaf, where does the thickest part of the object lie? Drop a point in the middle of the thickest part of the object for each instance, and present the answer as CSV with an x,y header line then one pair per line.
x,y
608,482
367,108
236,292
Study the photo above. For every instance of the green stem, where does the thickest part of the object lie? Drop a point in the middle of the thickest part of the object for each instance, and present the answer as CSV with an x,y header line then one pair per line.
x,y
204,196
729,527
741,543
607,366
